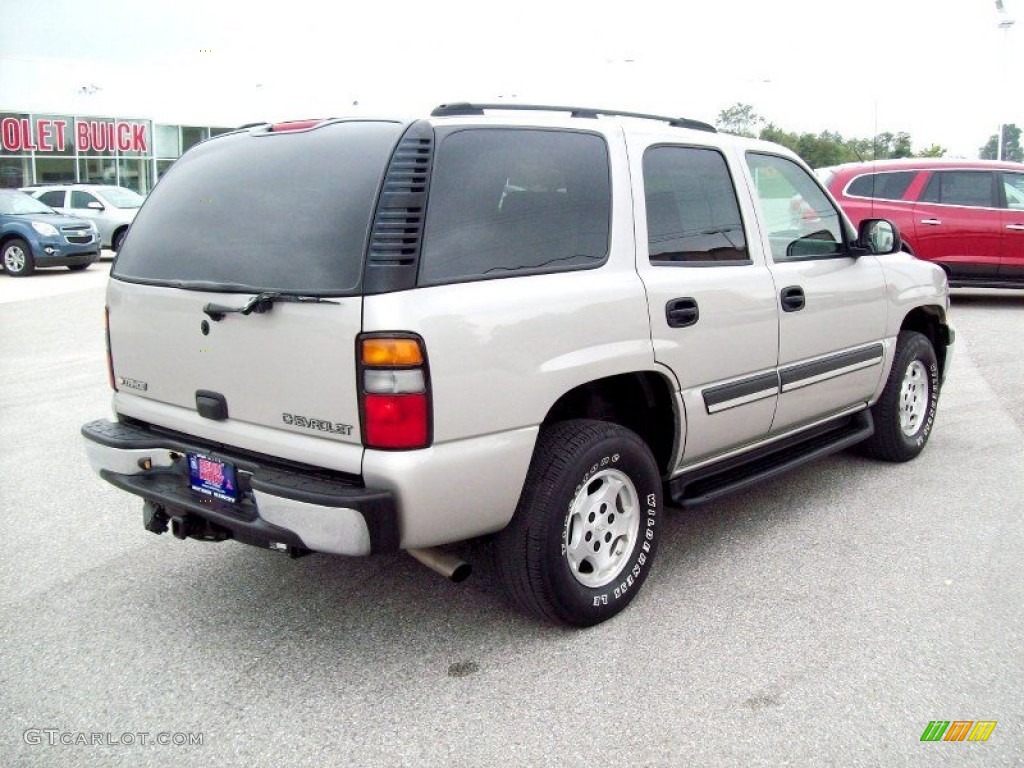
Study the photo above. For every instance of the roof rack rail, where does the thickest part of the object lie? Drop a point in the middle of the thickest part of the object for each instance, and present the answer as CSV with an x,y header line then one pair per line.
x,y
465,108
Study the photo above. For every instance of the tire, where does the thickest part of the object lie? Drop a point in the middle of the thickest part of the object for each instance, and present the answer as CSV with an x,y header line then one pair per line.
x,y
115,242
905,412
17,259
78,267
585,533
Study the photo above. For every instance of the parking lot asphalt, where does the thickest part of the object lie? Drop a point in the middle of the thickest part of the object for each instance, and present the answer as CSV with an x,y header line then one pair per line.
x,y
822,619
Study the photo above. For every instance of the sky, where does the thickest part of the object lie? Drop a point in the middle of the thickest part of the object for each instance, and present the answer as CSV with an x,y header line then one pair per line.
x,y
940,70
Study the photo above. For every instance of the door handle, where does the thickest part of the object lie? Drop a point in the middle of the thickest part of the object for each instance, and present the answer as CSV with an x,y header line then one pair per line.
x,y
680,313
933,222
1016,227
793,299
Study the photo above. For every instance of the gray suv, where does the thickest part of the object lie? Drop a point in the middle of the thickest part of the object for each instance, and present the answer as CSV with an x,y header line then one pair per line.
x,y
112,209
538,324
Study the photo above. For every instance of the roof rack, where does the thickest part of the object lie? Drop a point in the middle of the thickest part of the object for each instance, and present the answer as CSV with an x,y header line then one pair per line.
x,y
465,108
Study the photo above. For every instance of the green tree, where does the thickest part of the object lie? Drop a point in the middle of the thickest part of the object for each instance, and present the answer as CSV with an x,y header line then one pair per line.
x,y
739,119
892,145
817,150
825,148
1011,145
772,132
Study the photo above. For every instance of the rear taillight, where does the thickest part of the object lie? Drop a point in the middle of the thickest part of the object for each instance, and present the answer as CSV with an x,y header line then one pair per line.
x,y
110,357
394,391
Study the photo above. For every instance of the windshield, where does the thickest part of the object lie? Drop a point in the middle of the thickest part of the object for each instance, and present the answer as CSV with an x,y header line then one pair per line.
x,y
256,211
12,201
119,197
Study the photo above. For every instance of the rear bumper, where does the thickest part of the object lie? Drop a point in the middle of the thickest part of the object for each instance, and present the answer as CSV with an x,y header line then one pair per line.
x,y
278,505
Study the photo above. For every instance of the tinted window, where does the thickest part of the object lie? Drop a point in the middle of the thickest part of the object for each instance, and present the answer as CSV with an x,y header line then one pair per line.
x,y
884,186
52,198
81,199
121,197
801,221
285,212
1013,189
692,213
515,201
971,188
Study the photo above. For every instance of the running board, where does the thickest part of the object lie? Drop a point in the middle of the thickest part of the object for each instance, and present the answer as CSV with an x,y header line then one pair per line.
x,y
966,282
711,482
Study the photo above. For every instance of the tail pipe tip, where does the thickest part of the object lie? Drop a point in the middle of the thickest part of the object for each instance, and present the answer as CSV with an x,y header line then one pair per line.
x,y
448,565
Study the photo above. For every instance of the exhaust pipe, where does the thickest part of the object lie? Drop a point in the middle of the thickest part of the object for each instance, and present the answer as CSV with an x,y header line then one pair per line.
x,y
444,563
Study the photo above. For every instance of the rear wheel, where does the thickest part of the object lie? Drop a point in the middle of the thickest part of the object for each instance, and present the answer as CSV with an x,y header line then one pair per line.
x,y
78,267
905,412
17,258
115,243
585,533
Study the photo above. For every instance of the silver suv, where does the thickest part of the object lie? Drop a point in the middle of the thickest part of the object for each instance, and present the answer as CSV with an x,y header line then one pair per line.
x,y
112,209
357,336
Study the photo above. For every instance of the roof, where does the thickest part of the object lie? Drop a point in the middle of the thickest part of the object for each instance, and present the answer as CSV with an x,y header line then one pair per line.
x,y
922,164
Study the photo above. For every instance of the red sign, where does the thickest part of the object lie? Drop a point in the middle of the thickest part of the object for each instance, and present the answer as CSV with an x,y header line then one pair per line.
x,y
211,472
52,135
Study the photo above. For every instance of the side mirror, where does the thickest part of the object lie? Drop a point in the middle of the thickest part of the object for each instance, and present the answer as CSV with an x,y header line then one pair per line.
x,y
879,237
95,206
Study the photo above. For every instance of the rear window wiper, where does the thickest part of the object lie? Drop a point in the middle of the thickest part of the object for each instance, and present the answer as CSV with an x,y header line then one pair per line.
x,y
260,303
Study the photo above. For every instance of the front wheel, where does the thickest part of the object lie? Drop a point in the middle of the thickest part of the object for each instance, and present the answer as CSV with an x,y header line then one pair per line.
x,y
905,412
585,532
17,259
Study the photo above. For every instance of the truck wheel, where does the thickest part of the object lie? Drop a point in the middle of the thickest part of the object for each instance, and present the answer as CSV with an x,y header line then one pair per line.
x,y
17,258
905,412
585,532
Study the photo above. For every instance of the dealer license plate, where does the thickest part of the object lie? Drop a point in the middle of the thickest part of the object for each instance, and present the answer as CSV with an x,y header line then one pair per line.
x,y
212,478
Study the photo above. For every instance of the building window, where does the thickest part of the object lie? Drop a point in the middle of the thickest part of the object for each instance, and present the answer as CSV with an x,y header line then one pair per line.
x,y
97,170
166,141
134,173
15,172
55,170
192,135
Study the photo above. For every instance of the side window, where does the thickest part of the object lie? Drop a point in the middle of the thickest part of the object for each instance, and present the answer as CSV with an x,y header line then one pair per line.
x,y
970,188
881,186
1013,189
692,212
80,199
800,220
516,201
54,198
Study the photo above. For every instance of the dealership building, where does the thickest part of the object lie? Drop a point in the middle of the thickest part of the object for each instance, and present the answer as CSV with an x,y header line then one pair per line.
x,y
126,151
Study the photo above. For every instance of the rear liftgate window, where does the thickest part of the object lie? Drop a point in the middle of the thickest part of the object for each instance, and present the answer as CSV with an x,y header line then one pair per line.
x,y
516,201
258,211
